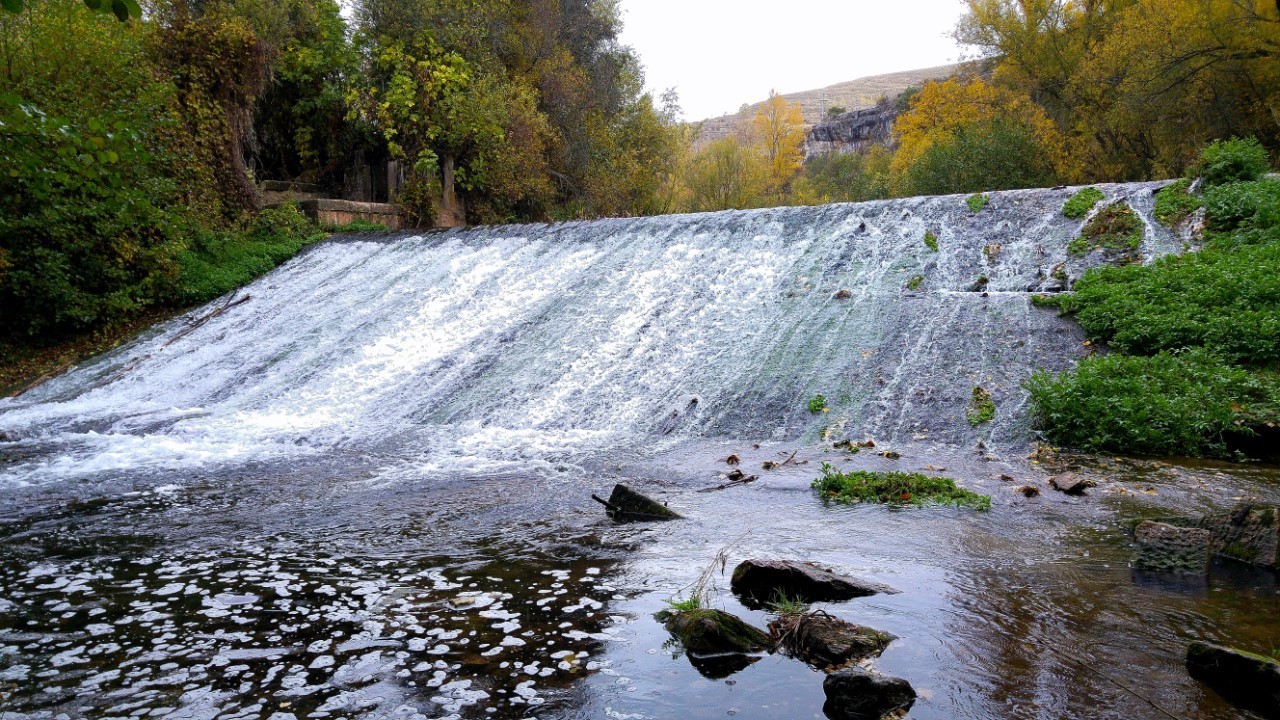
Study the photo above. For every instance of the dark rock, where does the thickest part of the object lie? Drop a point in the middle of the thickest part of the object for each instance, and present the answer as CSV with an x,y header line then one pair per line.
x,y
1168,548
1071,483
843,294
735,475
626,505
980,284
732,459
760,582
1028,490
1007,478
1247,680
890,454
1250,533
823,641
855,694
706,632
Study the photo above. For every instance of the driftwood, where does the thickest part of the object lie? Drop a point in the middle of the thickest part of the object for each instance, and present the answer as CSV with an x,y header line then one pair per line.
x,y
627,505
737,477
230,303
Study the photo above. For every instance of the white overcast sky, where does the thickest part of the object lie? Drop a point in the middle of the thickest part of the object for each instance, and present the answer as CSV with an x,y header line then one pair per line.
x,y
719,54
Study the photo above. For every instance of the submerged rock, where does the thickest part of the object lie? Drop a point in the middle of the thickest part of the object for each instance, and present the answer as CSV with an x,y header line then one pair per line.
x,y
627,505
1071,483
1250,533
759,582
1166,548
855,694
1248,680
824,641
713,632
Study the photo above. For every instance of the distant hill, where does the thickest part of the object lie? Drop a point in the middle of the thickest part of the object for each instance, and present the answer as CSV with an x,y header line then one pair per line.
x,y
851,95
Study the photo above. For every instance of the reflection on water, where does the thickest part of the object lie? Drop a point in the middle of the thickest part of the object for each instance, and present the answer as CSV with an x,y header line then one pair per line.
x,y
308,592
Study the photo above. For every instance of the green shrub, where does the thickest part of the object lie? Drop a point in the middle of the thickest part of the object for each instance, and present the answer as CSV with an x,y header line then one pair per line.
x,y
977,202
992,155
914,282
894,488
1233,160
1116,228
355,226
1243,206
1175,202
1082,202
215,263
1168,404
817,404
931,240
1228,300
982,409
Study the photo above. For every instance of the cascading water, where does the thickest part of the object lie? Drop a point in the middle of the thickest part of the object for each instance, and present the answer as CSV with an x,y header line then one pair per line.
x,y
360,486
523,346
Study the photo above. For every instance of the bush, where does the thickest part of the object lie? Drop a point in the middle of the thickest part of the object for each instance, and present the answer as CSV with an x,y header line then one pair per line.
x,y
931,240
1168,404
982,409
1221,299
817,404
1082,202
1243,205
996,155
1175,202
976,203
894,488
1233,160
218,262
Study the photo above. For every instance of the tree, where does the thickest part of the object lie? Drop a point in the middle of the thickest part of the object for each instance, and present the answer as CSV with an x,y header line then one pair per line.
x,y
780,131
970,120
124,10
727,175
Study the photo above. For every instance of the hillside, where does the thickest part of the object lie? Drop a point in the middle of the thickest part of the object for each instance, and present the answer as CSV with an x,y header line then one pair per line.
x,y
851,95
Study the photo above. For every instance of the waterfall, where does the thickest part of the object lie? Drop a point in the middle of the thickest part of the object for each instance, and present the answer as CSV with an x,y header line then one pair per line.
x,y
541,346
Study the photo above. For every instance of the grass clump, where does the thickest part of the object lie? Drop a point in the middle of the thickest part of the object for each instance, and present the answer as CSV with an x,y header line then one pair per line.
x,y
1082,202
931,240
358,225
982,409
894,488
1189,403
1116,228
977,202
914,282
1234,160
818,404
689,604
783,604
1175,202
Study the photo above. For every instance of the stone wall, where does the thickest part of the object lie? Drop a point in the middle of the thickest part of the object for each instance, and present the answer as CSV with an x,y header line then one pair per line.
x,y
344,212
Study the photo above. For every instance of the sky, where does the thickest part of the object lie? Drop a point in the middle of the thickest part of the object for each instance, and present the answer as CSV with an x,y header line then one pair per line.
x,y
719,54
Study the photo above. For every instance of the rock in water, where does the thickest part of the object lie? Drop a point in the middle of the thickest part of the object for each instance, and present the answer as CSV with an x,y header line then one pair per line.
x,y
759,582
855,694
1071,483
1248,680
1168,548
628,505
823,641
714,632
1250,533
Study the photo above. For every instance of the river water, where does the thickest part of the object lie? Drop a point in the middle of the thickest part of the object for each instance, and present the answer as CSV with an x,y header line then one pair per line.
x,y
365,490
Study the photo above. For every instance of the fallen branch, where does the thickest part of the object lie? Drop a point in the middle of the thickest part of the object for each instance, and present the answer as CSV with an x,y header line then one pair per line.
x,y
207,317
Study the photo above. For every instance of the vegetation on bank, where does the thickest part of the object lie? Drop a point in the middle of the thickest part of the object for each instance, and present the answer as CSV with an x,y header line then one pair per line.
x,y
894,488
1194,339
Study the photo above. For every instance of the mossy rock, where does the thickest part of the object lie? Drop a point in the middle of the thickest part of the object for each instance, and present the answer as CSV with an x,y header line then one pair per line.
x,y
824,641
713,632
1246,679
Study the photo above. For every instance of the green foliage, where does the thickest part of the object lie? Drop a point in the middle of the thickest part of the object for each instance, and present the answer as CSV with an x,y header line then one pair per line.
x,y
817,404
1175,202
1116,228
894,488
1234,160
123,10
976,203
355,226
1227,300
1243,205
783,604
844,177
1082,202
931,240
982,409
689,604
996,155
836,111
218,262
1168,404
914,282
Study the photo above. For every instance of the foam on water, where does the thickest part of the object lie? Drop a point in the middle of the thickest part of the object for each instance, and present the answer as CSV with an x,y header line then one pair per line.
x,y
544,346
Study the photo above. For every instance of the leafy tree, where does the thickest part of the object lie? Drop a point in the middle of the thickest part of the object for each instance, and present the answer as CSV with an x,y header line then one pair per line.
x,y
780,131
844,177
727,174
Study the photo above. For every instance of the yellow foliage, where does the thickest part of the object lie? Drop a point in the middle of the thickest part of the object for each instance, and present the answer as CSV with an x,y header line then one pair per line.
x,y
780,132
941,109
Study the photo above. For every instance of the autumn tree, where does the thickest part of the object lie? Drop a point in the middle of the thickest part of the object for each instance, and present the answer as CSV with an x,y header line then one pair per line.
x,y
727,174
779,129
975,130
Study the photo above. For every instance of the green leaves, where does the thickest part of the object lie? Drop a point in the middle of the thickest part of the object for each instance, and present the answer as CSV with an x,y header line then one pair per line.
x,y
13,6
124,10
